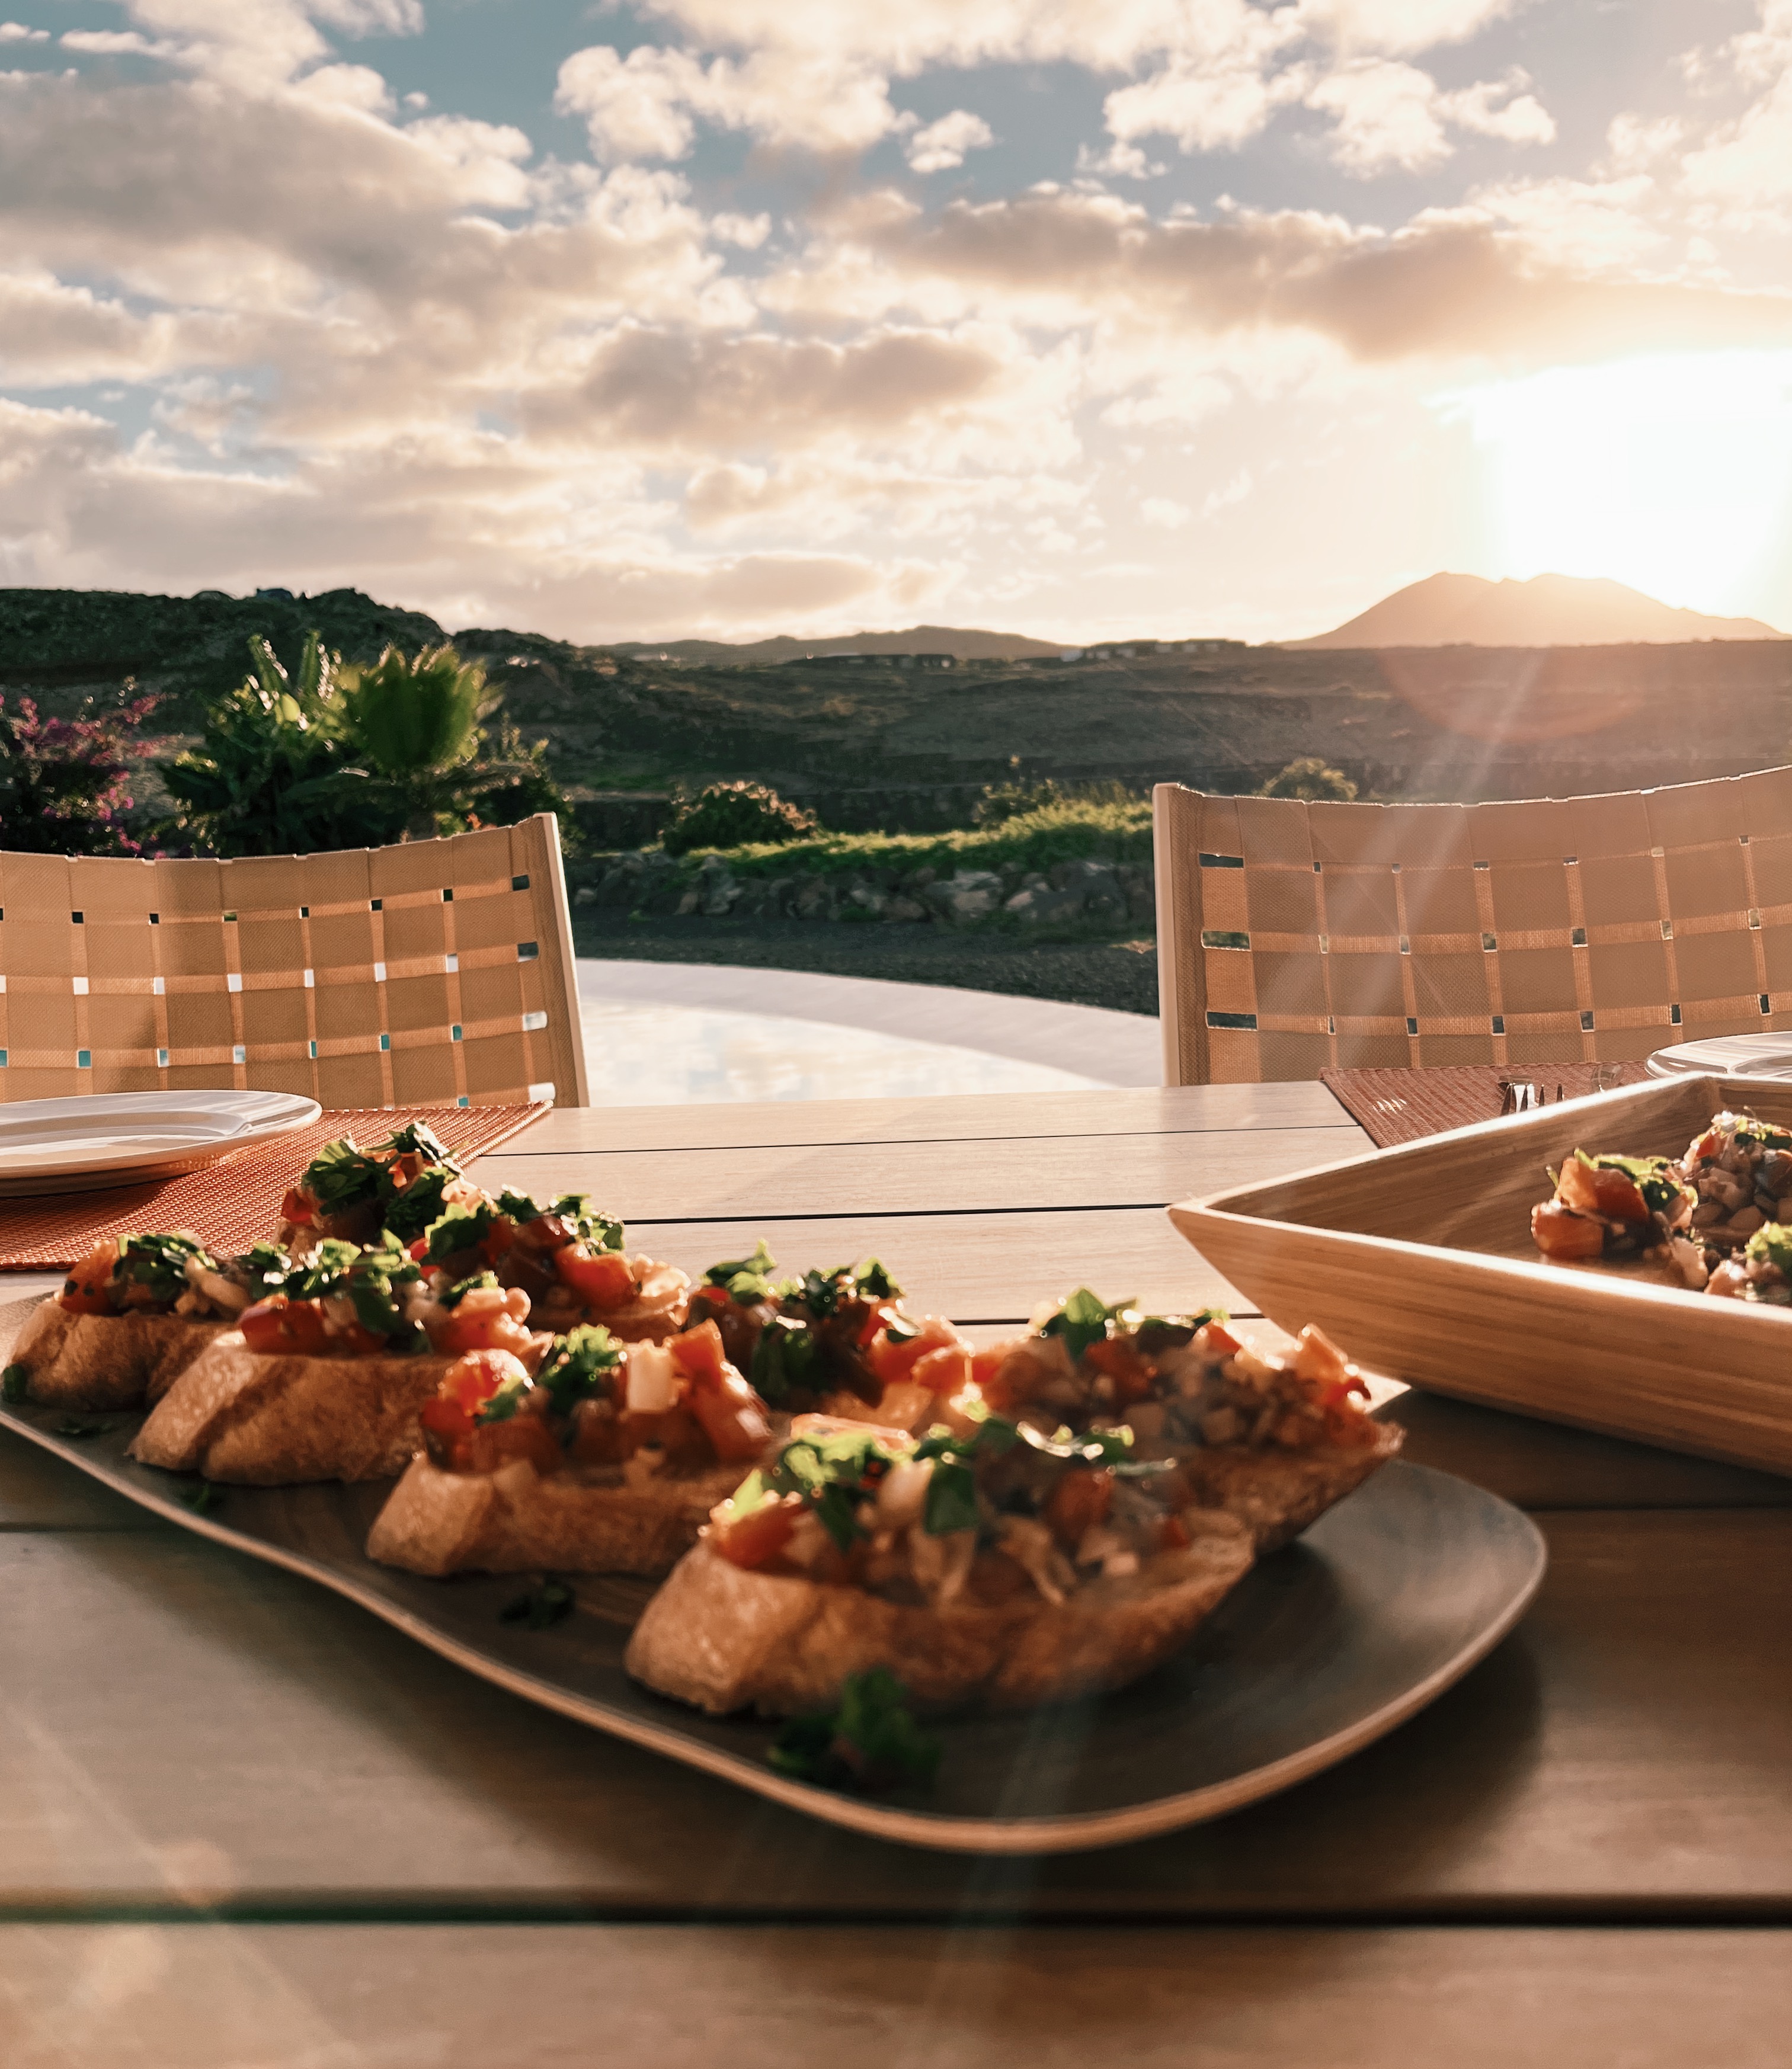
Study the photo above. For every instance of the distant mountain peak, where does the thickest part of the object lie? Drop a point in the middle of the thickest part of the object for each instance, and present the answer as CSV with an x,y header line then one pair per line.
x,y
1548,610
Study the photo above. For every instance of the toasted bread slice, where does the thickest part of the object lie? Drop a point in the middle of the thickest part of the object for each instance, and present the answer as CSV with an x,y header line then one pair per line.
x,y
1275,1494
518,1522
270,1420
107,1360
721,1637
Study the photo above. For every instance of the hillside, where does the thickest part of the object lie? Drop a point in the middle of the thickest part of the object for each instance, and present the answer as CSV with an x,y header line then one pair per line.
x,y
869,742
1548,610
961,644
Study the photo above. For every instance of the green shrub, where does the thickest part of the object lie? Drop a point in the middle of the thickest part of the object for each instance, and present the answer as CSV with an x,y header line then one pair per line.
x,y
62,781
1308,778
727,815
333,757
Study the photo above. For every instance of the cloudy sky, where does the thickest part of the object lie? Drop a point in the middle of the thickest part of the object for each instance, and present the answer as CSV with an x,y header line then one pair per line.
x,y
648,317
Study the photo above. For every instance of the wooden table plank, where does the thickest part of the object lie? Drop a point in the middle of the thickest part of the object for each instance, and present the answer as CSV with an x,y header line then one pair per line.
x,y
196,1726
813,1180
976,1267
974,1116
463,1997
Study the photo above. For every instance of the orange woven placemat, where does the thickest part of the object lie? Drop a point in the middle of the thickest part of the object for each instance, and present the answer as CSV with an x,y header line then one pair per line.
x,y
235,1202
1393,1107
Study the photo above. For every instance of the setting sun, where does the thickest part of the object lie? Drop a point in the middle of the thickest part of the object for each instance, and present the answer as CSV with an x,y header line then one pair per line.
x,y
1669,473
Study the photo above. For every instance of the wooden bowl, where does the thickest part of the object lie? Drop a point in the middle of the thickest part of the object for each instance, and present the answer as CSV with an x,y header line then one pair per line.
x,y
1418,1260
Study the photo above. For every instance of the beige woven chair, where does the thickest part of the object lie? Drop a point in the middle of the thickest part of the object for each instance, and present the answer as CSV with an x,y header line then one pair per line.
x,y
1292,936
437,972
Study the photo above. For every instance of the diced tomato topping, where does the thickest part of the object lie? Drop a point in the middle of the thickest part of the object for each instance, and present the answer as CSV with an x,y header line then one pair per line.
x,y
942,1371
278,1324
600,1279
733,1416
1217,1340
1131,1371
299,1208
1173,1536
893,1357
1009,1374
89,1288
1558,1232
484,1329
472,1379
760,1534
1079,1501
497,1239
698,1352
420,1249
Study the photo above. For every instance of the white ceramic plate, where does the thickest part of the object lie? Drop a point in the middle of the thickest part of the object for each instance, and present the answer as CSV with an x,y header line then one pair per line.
x,y
1726,1056
72,1145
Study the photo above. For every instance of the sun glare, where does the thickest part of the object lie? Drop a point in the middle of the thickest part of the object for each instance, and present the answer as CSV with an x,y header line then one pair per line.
x,y
1669,473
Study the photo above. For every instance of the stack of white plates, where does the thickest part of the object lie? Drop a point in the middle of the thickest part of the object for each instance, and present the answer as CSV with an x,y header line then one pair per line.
x,y
1726,1056
80,1145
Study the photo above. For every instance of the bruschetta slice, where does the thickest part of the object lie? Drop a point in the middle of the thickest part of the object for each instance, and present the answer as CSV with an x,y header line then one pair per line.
x,y
999,1566
607,1458
133,1315
326,1377
1274,1440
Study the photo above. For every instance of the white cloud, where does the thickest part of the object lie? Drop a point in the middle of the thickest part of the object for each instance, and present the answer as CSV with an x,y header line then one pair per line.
x,y
118,44
1746,164
943,144
1401,27
16,32
1633,142
1236,491
1392,115
1164,515
648,105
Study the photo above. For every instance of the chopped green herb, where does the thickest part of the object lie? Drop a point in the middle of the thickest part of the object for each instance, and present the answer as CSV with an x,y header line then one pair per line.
x,y
951,1499
158,1262
340,1176
578,1367
203,1499
417,1138
1084,1318
588,1222
15,1383
874,1283
459,1230
1098,1447
411,1211
1651,1176
265,1267
509,1398
746,1279
451,1296
79,1427
869,1741
783,1358
540,1608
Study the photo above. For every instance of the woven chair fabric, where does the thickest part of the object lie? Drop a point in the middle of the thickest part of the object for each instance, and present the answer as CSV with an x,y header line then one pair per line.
x,y
437,972
1294,937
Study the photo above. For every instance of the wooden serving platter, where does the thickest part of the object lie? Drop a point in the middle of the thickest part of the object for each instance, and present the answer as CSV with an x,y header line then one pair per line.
x,y
1419,1260
1386,1602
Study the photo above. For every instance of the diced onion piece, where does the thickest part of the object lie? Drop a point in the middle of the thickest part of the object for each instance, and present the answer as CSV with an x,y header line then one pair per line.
x,y
903,1494
653,1380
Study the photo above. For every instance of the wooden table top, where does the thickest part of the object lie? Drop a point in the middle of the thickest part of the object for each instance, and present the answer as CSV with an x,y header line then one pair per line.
x,y
241,1822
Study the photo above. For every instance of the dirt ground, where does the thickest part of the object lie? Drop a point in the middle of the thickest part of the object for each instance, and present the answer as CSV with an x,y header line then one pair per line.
x,y
1120,973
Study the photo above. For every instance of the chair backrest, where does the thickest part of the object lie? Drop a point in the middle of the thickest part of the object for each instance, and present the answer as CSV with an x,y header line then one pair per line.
x,y
437,972
1293,935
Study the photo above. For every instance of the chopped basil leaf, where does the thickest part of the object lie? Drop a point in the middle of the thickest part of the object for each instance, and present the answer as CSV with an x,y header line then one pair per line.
x,y
203,1499
158,1262
411,1211
341,1176
451,1296
578,1367
869,1740
746,1279
834,1510
265,1267
416,1138
518,1207
15,1383
951,1499
590,1223
1098,1447
459,1230
874,1283
783,1358
751,1494
505,1402
1082,1319
1771,1244
540,1608
322,1272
